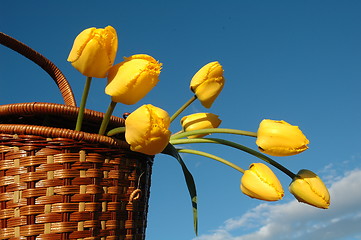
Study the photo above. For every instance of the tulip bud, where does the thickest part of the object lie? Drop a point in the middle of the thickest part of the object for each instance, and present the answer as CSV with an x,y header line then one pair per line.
x,y
132,79
93,51
261,183
279,138
307,187
208,83
200,121
146,129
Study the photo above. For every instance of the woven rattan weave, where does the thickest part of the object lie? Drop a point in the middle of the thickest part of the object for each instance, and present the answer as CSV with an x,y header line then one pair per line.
x,y
57,183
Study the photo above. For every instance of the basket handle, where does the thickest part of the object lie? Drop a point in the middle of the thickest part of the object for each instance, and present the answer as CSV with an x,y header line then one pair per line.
x,y
44,63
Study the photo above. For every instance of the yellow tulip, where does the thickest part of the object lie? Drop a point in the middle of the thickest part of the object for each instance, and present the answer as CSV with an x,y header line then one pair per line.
x,y
208,83
94,51
261,183
146,129
279,138
307,187
132,79
200,121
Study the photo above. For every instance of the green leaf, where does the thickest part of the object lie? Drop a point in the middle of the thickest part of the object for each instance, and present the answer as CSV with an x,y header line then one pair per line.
x,y
172,151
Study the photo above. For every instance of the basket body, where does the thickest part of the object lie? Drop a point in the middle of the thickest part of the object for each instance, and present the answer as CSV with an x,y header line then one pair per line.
x,y
56,183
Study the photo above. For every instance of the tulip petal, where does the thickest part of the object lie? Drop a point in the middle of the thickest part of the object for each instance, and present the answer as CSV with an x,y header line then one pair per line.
x,y
308,188
132,79
147,130
207,83
200,121
209,91
80,43
261,183
94,51
279,138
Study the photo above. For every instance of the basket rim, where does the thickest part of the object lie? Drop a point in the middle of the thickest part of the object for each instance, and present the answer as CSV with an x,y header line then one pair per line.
x,y
52,132
54,109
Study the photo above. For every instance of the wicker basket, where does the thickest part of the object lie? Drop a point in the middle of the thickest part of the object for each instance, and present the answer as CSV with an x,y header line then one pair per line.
x,y
57,183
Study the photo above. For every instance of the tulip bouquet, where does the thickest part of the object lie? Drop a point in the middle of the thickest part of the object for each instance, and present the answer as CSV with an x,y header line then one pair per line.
x,y
147,128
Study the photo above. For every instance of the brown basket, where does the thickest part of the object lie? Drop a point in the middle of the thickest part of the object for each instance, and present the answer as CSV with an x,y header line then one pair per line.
x,y
57,183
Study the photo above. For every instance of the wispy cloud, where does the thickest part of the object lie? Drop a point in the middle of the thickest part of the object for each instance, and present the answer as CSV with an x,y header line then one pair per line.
x,y
294,220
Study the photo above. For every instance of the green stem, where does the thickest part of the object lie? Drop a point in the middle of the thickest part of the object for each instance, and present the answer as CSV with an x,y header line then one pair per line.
x,y
181,109
208,155
177,133
84,98
106,118
237,146
115,131
213,130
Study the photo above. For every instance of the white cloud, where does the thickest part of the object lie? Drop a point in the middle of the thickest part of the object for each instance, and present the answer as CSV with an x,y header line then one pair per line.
x,y
294,220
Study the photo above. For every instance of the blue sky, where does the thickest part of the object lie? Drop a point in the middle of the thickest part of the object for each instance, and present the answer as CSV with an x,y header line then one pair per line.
x,y
299,61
